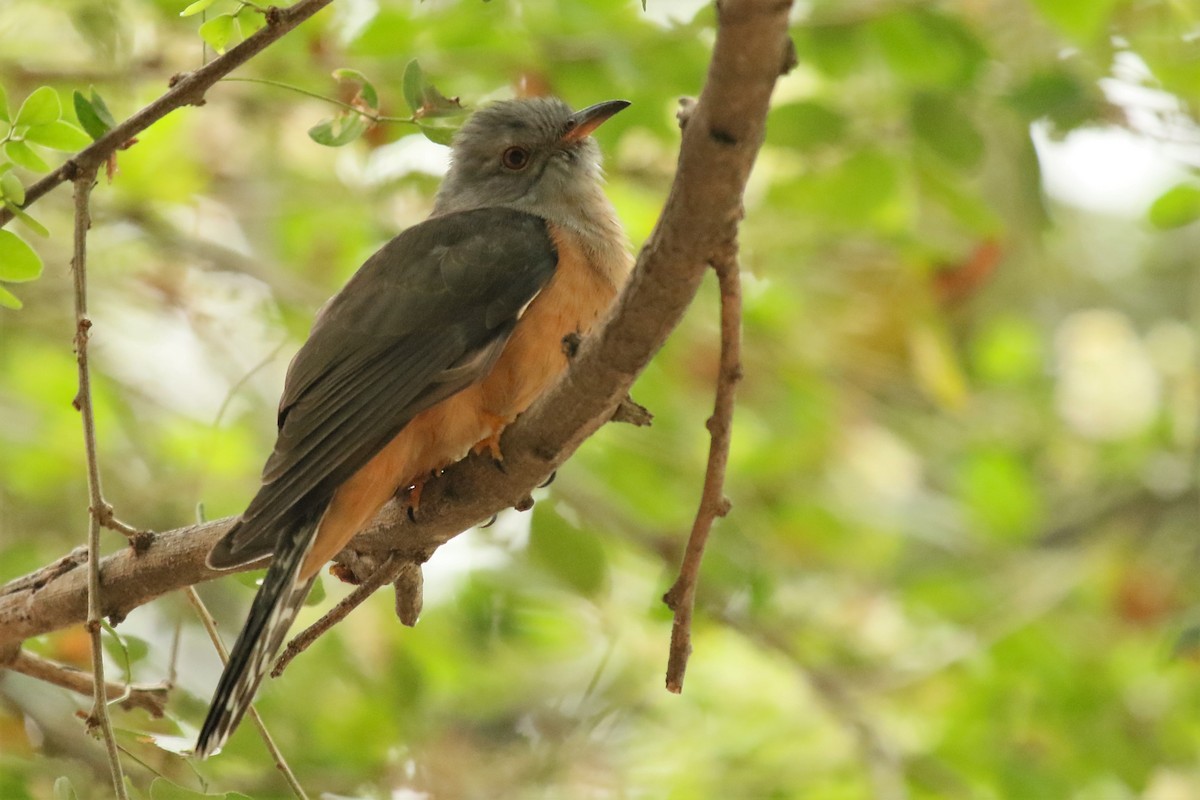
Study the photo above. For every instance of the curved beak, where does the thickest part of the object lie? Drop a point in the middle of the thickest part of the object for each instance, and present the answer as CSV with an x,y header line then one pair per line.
x,y
583,122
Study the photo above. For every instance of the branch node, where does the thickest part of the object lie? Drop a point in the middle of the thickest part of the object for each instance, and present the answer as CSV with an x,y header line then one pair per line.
x,y
570,344
683,114
631,412
524,504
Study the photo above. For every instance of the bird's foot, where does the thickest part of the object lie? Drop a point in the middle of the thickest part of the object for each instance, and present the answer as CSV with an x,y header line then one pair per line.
x,y
490,444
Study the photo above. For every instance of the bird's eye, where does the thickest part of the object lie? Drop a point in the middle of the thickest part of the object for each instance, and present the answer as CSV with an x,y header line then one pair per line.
x,y
515,158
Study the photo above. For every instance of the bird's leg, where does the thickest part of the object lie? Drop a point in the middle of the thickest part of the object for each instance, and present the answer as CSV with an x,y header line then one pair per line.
x,y
495,424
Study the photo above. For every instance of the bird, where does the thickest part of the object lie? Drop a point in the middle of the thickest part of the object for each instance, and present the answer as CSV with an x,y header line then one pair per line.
x,y
434,346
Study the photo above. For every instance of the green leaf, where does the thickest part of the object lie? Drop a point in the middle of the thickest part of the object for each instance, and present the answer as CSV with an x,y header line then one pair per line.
x,y
366,90
927,48
196,7
219,31
163,789
438,134
338,131
10,300
939,122
1176,207
93,114
29,222
24,155
58,135
412,84
63,790
1082,19
574,556
18,261
11,188
39,108
805,125
4,105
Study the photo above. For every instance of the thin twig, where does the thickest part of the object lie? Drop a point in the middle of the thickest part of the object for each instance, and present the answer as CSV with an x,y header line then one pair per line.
x,y
83,401
151,698
387,572
187,89
681,598
210,625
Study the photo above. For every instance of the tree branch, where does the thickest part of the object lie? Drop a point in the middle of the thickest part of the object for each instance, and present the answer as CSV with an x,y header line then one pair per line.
x,y
186,90
152,698
98,718
681,598
700,219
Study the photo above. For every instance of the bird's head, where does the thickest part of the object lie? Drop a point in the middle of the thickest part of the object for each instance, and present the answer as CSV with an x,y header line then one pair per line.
x,y
533,154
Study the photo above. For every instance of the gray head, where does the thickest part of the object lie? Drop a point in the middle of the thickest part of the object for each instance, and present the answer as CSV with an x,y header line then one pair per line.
x,y
534,154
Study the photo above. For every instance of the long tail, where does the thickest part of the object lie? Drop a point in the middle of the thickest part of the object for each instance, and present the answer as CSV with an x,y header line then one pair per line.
x,y
274,609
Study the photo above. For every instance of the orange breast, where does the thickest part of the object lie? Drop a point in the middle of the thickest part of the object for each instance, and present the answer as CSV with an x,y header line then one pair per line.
x,y
572,302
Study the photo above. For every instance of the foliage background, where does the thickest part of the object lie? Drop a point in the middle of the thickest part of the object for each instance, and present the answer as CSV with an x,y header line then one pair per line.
x,y
964,473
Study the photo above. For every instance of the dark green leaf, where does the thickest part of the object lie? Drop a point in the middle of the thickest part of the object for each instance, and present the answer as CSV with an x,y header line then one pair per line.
x,y
39,108
18,261
414,81
58,135
24,155
89,116
1176,207
805,125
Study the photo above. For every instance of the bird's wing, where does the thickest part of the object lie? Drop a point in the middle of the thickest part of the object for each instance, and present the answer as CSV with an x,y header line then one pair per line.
x,y
423,318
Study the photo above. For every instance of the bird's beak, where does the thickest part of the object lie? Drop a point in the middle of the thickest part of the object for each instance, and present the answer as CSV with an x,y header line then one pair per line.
x,y
583,122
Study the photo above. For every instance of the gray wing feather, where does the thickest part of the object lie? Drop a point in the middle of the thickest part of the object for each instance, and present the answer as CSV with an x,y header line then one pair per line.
x,y
423,318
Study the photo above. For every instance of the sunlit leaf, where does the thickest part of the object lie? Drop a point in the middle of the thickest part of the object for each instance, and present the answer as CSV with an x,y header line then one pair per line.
x,y
25,156
10,300
413,82
196,7
11,188
1176,207
219,31
58,135
63,790
18,261
438,134
28,221
39,108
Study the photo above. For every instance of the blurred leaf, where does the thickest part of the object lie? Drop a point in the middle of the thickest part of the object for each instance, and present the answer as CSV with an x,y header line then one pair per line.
x,y
1001,494
18,261
63,790
1008,350
939,122
4,105
1176,207
1059,96
1080,19
219,31
28,221
836,50
125,649
317,595
437,133
413,83
196,7
928,48
24,155
936,365
93,114
40,108
575,557
58,135
163,789
10,300
338,131
366,90
805,126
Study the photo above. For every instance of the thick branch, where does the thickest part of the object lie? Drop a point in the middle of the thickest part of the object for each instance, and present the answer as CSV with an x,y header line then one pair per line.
x,y
719,145
186,90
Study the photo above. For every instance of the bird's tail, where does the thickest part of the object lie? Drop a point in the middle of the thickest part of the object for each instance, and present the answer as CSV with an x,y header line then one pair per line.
x,y
274,609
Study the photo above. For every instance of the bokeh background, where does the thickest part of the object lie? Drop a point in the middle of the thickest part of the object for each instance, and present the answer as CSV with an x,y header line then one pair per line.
x,y
964,470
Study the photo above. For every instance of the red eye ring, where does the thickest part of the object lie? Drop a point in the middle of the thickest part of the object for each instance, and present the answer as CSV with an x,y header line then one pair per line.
x,y
515,158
